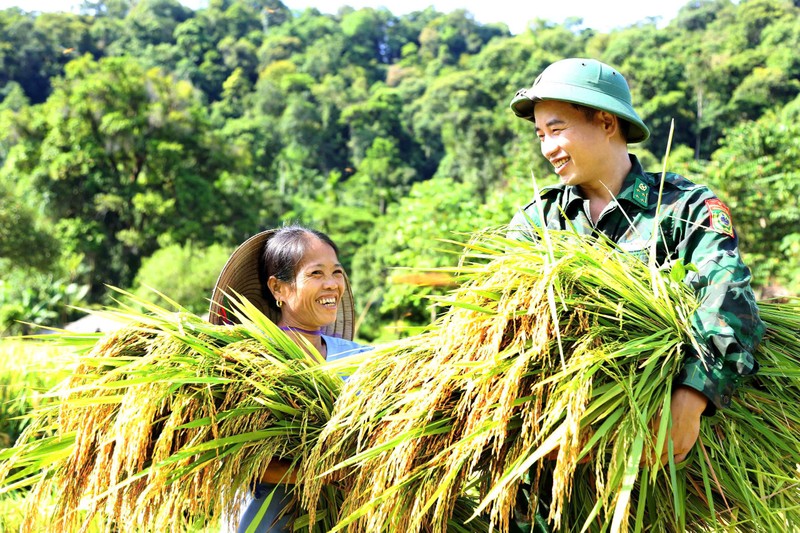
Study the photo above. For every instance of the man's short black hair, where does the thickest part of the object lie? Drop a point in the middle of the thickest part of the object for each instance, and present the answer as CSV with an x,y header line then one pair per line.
x,y
590,112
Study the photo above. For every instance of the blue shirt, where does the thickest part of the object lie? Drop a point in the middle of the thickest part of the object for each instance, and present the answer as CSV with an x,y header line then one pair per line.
x,y
337,348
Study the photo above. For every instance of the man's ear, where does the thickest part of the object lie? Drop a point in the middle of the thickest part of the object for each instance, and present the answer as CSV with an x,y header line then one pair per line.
x,y
609,122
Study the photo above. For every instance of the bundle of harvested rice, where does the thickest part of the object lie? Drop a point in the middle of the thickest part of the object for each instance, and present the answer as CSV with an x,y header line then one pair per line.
x,y
166,420
552,373
547,374
165,423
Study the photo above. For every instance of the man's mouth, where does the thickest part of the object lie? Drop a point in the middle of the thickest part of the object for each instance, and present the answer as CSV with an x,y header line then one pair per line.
x,y
558,164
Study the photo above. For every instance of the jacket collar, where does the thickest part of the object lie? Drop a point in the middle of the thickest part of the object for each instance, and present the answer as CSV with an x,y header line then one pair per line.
x,y
635,189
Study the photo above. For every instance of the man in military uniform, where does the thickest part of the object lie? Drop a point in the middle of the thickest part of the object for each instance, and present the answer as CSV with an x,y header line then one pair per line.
x,y
584,119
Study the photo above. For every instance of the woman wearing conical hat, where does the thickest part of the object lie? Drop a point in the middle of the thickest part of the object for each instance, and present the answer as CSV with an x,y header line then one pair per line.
x,y
293,275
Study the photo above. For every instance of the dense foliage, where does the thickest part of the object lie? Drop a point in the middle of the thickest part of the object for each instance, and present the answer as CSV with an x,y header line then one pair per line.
x,y
133,126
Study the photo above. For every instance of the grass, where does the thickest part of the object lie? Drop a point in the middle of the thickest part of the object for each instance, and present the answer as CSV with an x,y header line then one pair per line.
x,y
27,371
164,421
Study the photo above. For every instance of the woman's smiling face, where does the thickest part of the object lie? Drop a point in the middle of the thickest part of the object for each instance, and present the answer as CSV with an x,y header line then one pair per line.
x,y
312,300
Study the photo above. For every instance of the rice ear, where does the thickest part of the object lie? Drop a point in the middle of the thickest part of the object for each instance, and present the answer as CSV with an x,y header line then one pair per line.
x,y
547,372
554,351
168,418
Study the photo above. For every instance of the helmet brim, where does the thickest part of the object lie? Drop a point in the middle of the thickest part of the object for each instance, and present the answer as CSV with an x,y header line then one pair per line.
x,y
524,102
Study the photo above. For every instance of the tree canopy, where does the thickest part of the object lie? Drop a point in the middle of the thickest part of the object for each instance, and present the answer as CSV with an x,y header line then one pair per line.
x,y
134,127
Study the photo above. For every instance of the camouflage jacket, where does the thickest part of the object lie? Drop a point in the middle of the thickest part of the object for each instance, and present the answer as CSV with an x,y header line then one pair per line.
x,y
695,227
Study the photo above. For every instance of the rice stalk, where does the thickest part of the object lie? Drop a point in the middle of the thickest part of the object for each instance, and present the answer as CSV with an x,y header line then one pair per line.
x,y
166,420
549,371
547,374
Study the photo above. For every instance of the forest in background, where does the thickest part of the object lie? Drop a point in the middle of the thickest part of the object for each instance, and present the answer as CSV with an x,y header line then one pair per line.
x,y
141,141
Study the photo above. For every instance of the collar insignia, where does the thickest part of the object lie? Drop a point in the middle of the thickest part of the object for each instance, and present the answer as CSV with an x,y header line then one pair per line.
x,y
641,191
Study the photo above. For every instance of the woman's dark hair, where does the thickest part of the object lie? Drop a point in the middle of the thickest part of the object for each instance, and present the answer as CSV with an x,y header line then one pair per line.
x,y
282,254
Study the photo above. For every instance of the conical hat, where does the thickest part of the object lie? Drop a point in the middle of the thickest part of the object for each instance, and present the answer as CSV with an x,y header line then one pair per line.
x,y
240,276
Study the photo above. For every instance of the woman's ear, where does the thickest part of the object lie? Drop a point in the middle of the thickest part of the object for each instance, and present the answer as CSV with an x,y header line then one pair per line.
x,y
274,285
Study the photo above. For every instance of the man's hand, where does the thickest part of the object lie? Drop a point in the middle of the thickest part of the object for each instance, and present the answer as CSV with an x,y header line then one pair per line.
x,y
686,407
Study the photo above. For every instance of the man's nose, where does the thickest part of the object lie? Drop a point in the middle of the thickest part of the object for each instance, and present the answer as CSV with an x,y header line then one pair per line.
x,y
549,146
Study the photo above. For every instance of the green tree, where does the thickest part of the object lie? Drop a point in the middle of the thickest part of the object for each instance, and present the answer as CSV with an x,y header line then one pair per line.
x,y
365,33
757,172
106,8
763,89
235,96
123,160
184,273
35,48
384,174
25,242
151,22
209,46
258,197
458,122
344,208
450,36
373,119
696,15
412,236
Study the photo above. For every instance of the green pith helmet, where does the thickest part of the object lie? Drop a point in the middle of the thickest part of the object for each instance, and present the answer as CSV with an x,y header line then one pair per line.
x,y
587,82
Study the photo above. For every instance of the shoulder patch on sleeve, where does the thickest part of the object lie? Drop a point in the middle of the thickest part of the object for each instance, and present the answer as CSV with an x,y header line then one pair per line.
x,y
719,217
